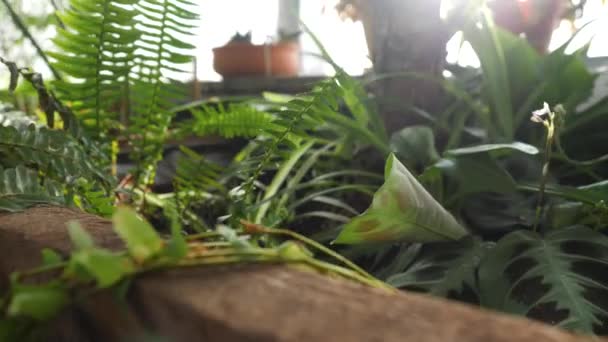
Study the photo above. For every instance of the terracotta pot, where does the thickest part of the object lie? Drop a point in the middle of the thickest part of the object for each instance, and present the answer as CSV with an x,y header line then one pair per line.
x,y
244,59
536,18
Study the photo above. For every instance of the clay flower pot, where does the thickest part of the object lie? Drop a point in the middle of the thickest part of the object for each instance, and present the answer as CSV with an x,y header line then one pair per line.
x,y
239,59
536,18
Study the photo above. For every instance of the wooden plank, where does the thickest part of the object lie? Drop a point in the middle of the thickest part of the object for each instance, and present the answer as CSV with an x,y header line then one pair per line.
x,y
251,302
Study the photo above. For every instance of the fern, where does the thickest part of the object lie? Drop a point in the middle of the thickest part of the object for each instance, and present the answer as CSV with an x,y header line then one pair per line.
x,y
51,151
45,165
49,104
164,25
324,97
197,181
557,277
20,188
96,52
237,120
446,269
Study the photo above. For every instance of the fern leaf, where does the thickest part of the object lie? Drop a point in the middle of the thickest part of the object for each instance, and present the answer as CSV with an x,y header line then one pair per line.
x,y
161,50
96,51
19,189
446,269
557,278
53,153
236,121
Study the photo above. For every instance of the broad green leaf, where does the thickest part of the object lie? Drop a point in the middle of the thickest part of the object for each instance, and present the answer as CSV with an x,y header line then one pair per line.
x,y
475,173
444,268
142,241
80,237
38,302
402,210
557,278
105,267
495,150
598,190
415,145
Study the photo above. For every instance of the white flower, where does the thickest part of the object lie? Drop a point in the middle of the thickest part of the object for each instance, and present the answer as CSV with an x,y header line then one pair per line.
x,y
541,115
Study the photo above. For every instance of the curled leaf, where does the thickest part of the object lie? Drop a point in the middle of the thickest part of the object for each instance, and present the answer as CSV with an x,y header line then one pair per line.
x,y
402,210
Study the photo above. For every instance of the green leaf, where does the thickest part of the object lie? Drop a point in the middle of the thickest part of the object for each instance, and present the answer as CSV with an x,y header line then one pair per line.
x,y
105,267
50,257
444,268
557,278
80,237
141,239
495,150
38,302
488,41
598,190
415,145
402,210
476,173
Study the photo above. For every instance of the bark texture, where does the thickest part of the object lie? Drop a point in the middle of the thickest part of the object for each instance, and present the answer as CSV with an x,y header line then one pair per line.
x,y
405,36
251,302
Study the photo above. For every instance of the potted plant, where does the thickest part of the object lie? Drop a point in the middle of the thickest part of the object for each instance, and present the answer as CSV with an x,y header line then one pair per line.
x,y
240,57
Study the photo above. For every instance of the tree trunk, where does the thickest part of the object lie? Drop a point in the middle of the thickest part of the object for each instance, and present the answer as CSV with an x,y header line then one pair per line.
x,y
405,36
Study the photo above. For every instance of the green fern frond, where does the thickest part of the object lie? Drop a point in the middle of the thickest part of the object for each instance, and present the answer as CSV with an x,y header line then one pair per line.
x,y
53,153
237,120
20,188
195,172
92,199
324,97
96,52
196,178
197,182
161,51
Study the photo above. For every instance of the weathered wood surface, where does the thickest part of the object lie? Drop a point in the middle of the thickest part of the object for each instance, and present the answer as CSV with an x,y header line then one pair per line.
x,y
252,302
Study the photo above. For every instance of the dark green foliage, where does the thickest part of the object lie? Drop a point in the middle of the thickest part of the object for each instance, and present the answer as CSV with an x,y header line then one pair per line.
x,y
20,188
53,152
313,163
46,165
446,269
558,277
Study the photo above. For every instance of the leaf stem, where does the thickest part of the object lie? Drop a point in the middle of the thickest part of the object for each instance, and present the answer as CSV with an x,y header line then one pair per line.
x,y
550,125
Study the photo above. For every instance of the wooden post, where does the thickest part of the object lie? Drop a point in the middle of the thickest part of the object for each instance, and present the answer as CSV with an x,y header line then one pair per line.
x,y
405,36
